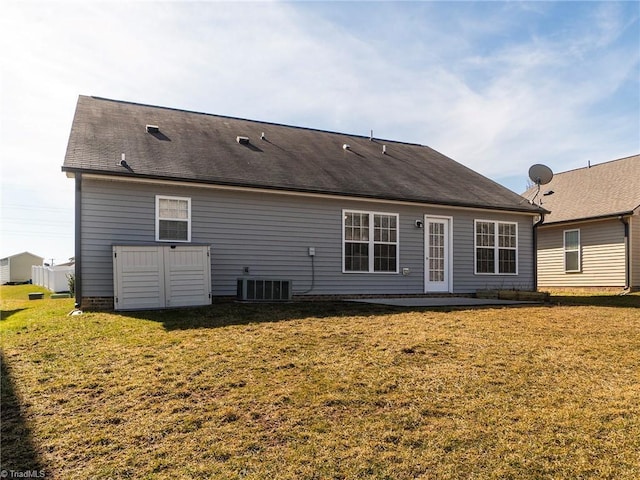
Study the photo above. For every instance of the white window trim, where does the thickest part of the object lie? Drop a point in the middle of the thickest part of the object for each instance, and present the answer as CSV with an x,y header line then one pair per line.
x,y
496,248
168,197
371,242
565,250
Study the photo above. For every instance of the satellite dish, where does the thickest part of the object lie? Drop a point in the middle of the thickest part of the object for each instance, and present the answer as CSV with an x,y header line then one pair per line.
x,y
540,174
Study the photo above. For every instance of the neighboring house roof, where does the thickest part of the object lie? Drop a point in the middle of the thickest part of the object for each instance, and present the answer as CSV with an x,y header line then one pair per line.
x,y
21,254
204,148
66,264
604,190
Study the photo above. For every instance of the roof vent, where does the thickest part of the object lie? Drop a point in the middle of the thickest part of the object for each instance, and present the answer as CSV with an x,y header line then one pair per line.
x,y
242,140
346,146
152,129
384,149
263,136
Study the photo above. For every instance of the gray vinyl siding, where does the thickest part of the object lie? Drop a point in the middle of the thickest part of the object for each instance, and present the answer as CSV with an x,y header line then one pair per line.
x,y
270,234
602,253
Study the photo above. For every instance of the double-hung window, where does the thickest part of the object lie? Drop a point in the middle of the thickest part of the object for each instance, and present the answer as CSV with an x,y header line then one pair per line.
x,y
572,251
496,247
173,219
370,242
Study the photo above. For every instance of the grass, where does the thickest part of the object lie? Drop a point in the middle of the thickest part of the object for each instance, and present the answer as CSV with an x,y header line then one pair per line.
x,y
589,297
322,391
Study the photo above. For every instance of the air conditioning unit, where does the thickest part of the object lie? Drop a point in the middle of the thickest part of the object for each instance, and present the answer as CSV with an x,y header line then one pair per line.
x,y
263,289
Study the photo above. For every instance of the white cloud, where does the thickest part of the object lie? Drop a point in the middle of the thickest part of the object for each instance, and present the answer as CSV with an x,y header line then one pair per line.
x,y
533,104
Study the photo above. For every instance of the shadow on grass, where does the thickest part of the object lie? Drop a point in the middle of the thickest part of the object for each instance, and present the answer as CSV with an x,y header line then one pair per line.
x,y
233,313
622,301
4,314
18,450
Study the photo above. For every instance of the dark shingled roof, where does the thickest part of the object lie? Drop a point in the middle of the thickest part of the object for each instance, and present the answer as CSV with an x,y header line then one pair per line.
x,y
604,190
203,148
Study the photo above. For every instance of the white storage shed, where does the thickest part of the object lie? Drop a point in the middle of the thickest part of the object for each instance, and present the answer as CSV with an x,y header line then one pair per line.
x,y
161,276
17,268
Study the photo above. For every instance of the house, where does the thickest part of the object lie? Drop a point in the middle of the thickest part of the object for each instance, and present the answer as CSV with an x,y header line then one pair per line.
x,y
275,211
17,268
591,238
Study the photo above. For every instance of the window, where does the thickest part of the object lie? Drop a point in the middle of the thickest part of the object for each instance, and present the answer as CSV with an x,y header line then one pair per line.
x,y
370,242
173,219
572,250
496,247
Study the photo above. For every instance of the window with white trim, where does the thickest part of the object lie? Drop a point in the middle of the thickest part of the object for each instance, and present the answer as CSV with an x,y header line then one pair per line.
x,y
173,219
572,250
496,247
370,242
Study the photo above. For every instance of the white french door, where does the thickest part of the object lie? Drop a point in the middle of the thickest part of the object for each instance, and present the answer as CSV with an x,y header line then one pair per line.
x,y
437,248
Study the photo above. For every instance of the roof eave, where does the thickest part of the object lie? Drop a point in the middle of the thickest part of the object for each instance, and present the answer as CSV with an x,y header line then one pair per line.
x,y
589,219
71,171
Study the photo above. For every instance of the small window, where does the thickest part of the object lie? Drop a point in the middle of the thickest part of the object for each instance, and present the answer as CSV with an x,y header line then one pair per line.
x,y
370,242
572,251
173,219
496,247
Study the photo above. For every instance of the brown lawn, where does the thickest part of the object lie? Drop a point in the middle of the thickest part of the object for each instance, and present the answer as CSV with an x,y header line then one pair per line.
x,y
322,391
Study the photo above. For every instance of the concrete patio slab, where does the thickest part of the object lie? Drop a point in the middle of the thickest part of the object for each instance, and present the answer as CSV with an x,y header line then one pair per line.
x,y
442,302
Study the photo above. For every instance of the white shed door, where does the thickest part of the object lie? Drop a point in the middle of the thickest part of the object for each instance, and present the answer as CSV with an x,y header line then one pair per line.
x,y
152,277
138,274
187,276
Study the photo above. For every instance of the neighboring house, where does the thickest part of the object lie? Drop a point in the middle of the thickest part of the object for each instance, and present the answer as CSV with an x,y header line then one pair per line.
x,y
591,238
17,268
310,212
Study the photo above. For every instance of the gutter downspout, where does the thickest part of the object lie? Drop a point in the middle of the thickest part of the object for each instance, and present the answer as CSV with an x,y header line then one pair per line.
x,y
627,257
78,239
535,251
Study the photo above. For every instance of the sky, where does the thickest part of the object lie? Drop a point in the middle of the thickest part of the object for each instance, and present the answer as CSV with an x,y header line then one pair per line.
x,y
497,86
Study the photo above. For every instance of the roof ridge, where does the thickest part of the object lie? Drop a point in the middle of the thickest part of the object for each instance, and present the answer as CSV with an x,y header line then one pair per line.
x,y
22,253
275,124
588,167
